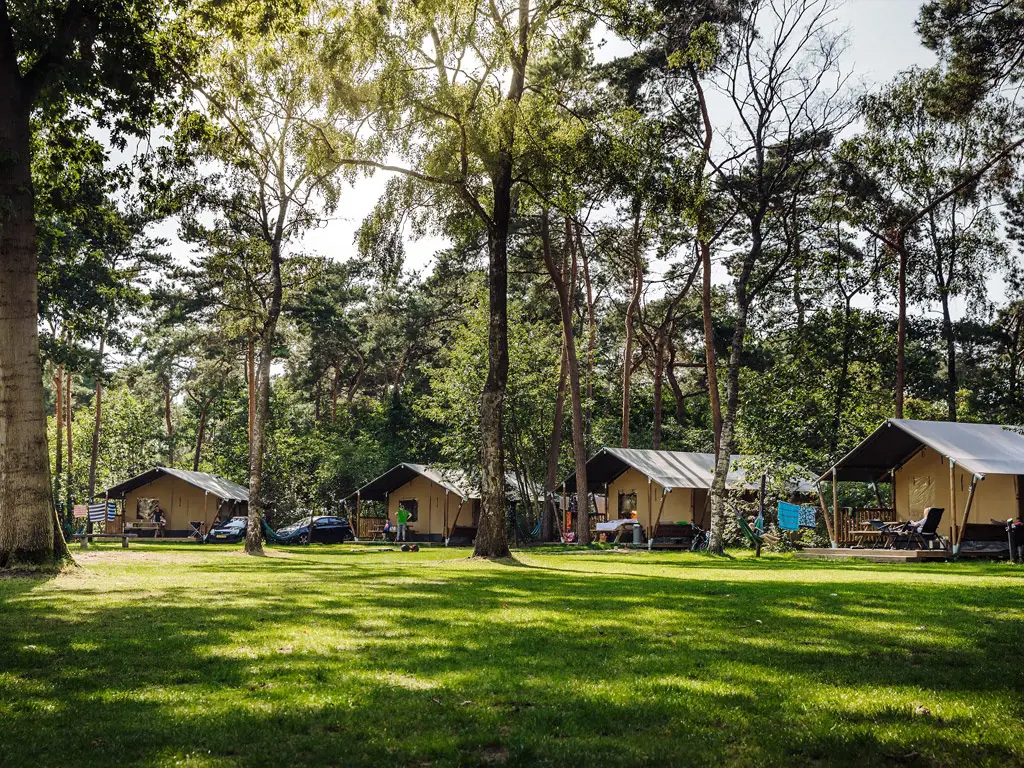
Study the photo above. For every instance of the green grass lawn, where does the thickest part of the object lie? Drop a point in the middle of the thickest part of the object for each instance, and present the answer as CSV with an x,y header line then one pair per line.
x,y
200,656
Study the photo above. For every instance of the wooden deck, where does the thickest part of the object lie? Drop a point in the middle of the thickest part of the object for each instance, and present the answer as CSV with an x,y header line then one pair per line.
x,y
875,555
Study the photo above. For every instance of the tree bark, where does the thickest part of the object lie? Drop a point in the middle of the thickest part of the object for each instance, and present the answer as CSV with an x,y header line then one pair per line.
x,y
200,434
591,329
949,338
719,489
627,353
69,410
94,454
58,469
547,523
257,503
842,384
572,366
26,515
901,330
250,377
659,379
169,424
491,539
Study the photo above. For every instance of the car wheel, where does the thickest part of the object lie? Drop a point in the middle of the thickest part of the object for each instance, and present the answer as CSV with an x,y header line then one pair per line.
x,y
303,538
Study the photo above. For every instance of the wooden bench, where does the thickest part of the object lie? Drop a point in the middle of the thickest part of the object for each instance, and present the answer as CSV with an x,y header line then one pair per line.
x,y
85,538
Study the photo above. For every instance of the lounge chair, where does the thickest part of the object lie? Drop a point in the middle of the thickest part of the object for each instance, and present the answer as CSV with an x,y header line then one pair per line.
x,y
927,535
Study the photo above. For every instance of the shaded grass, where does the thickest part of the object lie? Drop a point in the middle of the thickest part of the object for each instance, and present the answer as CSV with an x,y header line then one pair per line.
x,y
189,655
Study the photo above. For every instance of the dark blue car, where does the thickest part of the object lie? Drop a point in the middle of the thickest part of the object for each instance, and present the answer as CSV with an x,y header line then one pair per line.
x,y
231,532
325,530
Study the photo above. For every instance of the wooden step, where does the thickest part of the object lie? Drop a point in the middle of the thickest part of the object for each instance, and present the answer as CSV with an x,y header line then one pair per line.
x,y
874,555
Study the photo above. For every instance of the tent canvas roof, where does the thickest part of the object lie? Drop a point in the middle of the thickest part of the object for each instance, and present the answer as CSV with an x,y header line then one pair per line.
x,y
214,484
670,469
979,448
378,488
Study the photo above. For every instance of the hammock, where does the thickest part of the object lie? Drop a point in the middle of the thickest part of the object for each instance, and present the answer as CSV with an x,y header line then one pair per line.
x,y
269,535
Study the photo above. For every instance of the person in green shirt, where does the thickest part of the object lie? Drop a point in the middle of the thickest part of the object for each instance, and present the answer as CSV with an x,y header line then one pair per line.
x,y
403,524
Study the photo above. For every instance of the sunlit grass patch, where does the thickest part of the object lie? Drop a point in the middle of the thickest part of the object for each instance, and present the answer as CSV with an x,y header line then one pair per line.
x,y
180,654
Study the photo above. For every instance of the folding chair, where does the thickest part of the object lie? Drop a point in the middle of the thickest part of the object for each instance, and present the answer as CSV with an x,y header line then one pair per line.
x,y
197,529
928,534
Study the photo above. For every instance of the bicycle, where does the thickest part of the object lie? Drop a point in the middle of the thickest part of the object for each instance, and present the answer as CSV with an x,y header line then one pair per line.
x,y
701,539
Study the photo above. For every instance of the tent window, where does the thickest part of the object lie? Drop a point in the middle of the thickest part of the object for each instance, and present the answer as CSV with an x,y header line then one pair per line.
x,y
627,505
413,506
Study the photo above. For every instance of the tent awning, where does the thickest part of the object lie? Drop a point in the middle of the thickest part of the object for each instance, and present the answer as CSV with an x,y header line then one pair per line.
x,y
672,469
982,449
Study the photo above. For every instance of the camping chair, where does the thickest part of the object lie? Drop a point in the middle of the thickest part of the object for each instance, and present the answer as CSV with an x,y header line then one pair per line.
x,y
927,535
197,529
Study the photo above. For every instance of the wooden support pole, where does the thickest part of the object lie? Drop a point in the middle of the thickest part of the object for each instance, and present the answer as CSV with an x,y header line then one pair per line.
x,y
835,504
824,514
661,508
967,513
455,522
359,522
952,497
444,524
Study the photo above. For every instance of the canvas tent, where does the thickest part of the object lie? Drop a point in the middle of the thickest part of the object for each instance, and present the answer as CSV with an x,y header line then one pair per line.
x,y
182,496
972,471
667,486
439,501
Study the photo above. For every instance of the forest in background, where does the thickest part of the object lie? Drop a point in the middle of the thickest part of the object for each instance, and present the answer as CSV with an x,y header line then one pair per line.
x,y
719,240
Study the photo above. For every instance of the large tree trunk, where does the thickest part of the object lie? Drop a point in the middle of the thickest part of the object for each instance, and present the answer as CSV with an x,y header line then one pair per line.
x,y
58,467
843,383
547,523
579,443
200,434
591,329
719,489
949,338
491,539
94,454
711,358
169,424
704,242
69,410
627,352
250,378
26,516
901,330
659,380
257,504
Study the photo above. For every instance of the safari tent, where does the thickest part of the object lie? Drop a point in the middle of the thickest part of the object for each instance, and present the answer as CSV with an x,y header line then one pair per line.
x,y
183,498
441,504
972,471
664,487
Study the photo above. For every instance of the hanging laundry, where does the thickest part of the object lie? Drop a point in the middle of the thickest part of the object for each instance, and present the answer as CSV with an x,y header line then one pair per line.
x,y
97,512
80,510
807,519
789,516
111,510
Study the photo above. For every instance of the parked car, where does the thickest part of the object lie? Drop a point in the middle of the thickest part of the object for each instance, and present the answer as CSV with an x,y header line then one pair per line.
x,y
231,532
325,530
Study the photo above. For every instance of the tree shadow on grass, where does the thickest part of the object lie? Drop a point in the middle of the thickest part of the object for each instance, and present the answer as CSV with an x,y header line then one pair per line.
x,y
303,662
